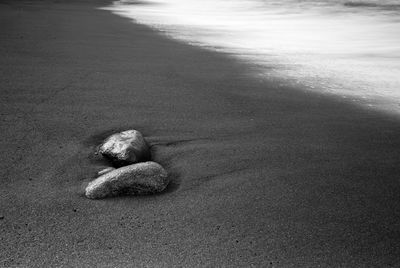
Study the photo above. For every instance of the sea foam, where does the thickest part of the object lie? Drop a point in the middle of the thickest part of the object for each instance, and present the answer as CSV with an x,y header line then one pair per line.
x,y
345,48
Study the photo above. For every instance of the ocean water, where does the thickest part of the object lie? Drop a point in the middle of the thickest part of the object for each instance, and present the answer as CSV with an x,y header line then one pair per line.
x,y
347,48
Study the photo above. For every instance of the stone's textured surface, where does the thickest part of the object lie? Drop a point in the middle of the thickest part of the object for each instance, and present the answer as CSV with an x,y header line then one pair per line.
x,y
124,148
137,179
106,170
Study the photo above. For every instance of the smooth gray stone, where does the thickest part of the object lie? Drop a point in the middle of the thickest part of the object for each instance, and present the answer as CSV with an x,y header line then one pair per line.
x,y
137,179
124,148
106,170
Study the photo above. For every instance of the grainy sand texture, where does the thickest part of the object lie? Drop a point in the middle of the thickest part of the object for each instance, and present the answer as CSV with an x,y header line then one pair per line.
x,y
262,174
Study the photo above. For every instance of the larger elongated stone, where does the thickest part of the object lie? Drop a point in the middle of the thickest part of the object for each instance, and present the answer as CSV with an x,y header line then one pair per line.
x,y
137,179
125,148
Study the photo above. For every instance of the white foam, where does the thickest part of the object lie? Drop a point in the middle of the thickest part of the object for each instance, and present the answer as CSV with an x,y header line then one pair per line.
x,y
340,47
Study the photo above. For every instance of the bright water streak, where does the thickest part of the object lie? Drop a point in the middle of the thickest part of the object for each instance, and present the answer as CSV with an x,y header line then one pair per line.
x,y
348,48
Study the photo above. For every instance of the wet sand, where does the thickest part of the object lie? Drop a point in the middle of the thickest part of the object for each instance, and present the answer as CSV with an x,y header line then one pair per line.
x,y
263,174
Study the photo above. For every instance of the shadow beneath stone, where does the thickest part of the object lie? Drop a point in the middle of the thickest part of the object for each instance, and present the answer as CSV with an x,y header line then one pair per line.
x,y
175,181
97,159
175,143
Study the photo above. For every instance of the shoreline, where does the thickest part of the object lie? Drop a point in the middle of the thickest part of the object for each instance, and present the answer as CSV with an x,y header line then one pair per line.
x,y
263,175
374,91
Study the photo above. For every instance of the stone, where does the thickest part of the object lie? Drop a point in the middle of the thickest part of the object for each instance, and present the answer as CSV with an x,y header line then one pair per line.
x,y
125,148
136,179
106,170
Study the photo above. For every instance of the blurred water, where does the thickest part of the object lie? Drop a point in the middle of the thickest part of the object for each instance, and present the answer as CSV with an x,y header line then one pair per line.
x,y
346,48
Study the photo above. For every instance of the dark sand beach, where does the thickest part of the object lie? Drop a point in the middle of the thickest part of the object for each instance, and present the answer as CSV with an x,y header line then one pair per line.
x,y
262,174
